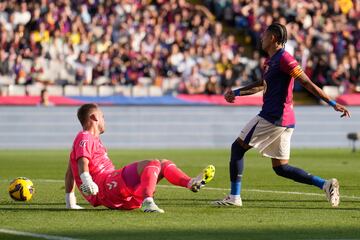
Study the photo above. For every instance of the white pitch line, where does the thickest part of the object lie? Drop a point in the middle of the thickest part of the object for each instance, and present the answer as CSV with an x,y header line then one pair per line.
x,y
266,191
215,189
35,235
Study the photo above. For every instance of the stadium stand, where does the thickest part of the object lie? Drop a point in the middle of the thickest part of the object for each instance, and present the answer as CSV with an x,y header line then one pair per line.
x,y
324,36
153,46
164,47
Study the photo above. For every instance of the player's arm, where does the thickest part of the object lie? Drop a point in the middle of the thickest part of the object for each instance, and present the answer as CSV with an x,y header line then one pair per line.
x,y
318,92
88,186
247,90
70,198
69,180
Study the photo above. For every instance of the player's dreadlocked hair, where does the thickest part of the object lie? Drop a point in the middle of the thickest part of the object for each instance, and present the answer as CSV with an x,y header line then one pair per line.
x,y
279,32
84,112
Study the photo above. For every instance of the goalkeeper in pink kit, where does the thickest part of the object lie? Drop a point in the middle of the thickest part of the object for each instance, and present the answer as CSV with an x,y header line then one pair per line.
x,y
130,187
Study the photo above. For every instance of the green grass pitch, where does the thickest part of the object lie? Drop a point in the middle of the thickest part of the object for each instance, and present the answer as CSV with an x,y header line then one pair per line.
x,y
272,208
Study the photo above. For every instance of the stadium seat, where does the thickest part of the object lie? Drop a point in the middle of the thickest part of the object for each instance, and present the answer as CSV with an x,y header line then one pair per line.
x,y
123,90
155,91
35,89
90,91
55,90
70,90
140,91
6,80
106,90
170,84
17,90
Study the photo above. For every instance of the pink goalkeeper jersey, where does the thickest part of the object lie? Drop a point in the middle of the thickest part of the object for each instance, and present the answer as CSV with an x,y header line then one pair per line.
x,y
100,166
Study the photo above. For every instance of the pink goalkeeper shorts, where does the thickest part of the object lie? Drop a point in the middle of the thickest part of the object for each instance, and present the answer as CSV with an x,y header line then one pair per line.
x,y
119,188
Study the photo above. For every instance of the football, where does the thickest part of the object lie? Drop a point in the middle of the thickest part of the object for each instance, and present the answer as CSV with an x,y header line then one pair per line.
x,y
21,189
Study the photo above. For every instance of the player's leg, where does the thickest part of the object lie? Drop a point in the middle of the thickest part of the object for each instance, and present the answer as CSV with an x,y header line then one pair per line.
x,y
331,187
236,166
149,171
279,151
240,146
177,177
282,168
132,187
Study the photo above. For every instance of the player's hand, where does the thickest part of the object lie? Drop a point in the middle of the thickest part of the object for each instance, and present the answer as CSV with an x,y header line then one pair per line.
x,y
88,186
340,108
229,96
70,200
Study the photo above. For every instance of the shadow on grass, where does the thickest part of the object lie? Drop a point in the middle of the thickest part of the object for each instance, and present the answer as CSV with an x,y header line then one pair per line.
x,y
49,209
30,204
220,233
297,201
251,203
230,208
303,204
306,208
244,200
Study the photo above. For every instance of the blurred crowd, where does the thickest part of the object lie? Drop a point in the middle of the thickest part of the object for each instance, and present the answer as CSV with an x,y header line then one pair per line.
x,y
171,42
324,36
120,42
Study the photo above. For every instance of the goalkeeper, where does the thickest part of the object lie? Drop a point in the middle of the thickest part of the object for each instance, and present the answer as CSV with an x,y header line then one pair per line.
x,y
130,187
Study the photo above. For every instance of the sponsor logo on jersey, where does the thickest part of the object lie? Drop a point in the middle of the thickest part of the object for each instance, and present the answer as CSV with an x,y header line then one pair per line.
x,y
83,143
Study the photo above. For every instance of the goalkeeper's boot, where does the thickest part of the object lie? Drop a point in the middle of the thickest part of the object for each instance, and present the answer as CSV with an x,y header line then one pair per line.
x,y
196,183
150,206
331,188
229,200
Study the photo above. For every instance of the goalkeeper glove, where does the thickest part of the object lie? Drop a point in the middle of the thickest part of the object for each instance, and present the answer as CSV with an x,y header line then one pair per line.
x,y
88,187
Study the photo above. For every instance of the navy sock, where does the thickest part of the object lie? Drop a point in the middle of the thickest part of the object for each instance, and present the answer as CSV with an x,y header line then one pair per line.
x,y
235,188
318,181
236,167
236,170
294,173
